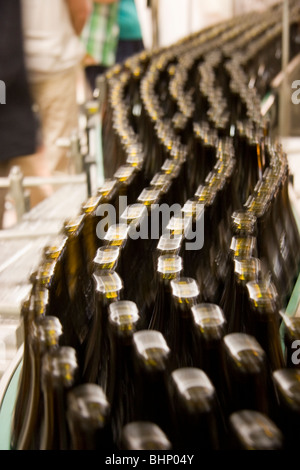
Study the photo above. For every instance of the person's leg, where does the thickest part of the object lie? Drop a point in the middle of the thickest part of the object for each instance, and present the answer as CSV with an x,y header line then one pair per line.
x,y
127,48
58,110
92,72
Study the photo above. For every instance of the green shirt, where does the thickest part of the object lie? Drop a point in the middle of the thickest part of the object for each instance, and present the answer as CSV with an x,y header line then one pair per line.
x,y
101,33
128,20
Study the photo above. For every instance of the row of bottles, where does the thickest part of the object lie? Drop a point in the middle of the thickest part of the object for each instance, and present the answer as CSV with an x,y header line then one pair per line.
x,y
156,318
190,379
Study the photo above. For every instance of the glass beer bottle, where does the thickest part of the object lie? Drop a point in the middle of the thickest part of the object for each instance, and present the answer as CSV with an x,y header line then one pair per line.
x,y
246,373
45,333
58,377
93,363
88,416
151,365
168,267
122,323
252,430
144,435
195,410
264,322
291,337
180,335
287,385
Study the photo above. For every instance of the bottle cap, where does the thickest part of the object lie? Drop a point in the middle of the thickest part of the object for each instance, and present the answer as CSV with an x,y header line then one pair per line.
x,y
91,204
72,226
245,351
194,386
243,247
179,225
169,265
46,272
106,257
151,348
170,243
41,301
117,234
88,402
125,173
144,435
185,289
206,195
61,364
171,168
149,196
263,296
134,213
107,187
210,320
47,330
247,270
255,430
161,181
55,247
287,382
108,283
124,314
135,158
193,208
291,326
243,223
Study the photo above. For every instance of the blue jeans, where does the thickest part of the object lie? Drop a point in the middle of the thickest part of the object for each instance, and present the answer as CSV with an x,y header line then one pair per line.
x,y
127,48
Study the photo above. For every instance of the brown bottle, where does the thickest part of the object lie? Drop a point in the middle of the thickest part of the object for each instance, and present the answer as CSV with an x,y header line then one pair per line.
x,y
89,231
210,328
123,318
245,270
246,372
88,415
143,435
252,430
195,410
44,337
180,333
108,288
27,315
74,321
287,384
151,360
58,377
168,267
290,328
264,320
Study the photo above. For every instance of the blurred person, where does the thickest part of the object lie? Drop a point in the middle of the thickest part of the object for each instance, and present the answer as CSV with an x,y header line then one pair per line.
x,y
130,35
53,53
18,123
100,38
